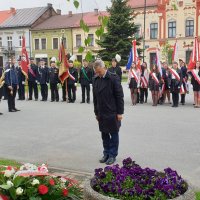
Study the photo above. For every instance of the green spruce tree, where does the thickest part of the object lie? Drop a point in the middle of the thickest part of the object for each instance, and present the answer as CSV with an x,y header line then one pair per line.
x,y
120,32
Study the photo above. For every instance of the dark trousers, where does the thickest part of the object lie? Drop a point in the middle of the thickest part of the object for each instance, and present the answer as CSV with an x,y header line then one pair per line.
x,y
44,91
32,85
175,98
183,98
110,144
11,97
5,92
21,91
1,93
64,91
143,93
54,92
72,93
85,88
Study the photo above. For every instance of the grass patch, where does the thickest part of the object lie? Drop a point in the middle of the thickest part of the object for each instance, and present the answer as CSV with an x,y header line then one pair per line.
x,y
5,162
197,195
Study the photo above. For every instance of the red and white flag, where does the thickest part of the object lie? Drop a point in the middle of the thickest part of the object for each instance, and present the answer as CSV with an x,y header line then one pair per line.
x,y
136,58
175,52
24,58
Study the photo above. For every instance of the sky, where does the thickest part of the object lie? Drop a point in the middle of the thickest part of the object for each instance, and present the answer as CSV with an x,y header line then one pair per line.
x,y
64,5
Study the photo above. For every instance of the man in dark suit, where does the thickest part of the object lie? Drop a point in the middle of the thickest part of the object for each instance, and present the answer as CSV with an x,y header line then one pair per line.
x,y
72,82
108,108
12,85
115,69
1,86
44,79
33,78
85,80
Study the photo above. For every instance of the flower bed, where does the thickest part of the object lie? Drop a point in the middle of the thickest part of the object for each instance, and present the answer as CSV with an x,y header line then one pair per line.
x,y
131,182
35,183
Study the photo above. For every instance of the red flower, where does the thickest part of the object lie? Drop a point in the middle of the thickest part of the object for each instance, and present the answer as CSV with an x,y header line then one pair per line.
x,y
9,168
4,197
51,182
65,192
43,189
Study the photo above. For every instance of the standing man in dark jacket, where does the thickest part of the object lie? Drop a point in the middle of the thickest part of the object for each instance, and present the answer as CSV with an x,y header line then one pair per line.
x,y
115,69
54,81
85,81
44,79
72,82
12,84
108,108
33,78
1,84
21,79
185,78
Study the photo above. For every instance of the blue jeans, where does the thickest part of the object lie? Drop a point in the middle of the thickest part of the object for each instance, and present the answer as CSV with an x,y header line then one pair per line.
x,y
110,144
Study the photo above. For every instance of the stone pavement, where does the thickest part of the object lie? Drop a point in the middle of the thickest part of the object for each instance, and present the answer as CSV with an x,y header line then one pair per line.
x,y
66,136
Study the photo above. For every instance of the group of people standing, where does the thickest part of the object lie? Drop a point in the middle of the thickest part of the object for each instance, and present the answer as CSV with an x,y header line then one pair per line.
x,y
163,82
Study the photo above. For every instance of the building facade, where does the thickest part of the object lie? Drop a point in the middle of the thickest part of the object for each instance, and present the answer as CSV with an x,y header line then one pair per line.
x,y
168,21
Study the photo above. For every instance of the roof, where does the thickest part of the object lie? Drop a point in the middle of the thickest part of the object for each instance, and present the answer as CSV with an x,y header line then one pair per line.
x,y
23,17
140,4
67,21
5,14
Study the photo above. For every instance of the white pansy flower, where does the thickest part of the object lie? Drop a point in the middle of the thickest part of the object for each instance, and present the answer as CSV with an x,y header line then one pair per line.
x,y
10,184
19,191
35,182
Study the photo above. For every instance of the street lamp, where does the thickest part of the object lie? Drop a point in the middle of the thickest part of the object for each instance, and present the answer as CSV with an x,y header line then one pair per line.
x,y
145,8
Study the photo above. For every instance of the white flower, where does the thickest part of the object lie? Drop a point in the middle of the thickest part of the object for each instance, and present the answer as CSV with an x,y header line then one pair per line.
x,y
9,184
35,182
8,173
19,191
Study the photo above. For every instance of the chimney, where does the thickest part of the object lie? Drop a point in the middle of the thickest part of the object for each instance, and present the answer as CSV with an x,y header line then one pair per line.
x,y
96,11
13,10
49,5
58,11
70,13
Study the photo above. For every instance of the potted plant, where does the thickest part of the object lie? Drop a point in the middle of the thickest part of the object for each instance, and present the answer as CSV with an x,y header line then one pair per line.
x,y
132,182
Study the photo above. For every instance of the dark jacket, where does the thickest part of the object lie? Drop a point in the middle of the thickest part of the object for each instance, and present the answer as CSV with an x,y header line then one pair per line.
x,y
53,75
73,71
116,70
21,77
82,79
11,77
44,74
33,74
174,84
108,102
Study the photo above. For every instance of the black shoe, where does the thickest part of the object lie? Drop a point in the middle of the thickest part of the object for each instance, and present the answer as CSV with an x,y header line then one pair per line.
x,y
63,100
1,113
82,101
57,100
52,100
145,101
110,161
16,110
88,102
36,99
42,100
103,159
173,106
29,99
12,111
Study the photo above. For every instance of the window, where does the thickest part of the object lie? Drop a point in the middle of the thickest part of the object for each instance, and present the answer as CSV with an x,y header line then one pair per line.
x,y
78,40
44,43
20,41
189,28
172,29
188,54
37,44
91,36
152,59
55,43
9,39
153,30
138,34
1,42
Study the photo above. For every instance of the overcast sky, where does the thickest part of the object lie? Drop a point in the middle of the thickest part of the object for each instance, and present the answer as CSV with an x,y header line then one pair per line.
x,y
64,5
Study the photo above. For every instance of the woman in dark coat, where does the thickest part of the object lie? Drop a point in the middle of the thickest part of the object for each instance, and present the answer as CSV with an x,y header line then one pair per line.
x,y
196,85
154,84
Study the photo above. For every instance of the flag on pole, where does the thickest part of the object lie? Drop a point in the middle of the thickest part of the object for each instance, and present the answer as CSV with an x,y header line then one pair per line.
x,y
195,55
64,67
158,63
24,58
175,52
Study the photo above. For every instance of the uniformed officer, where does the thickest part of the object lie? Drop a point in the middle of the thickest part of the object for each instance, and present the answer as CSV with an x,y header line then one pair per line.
x,y
85,80
33,78
115,69
72,82
21,79
44,79
12,84
54,81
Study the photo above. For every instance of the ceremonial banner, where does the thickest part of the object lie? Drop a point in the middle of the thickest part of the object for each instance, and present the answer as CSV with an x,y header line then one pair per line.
x,y
24,58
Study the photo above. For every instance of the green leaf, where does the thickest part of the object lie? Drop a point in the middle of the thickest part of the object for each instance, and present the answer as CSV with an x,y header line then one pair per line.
x,y
99,32
13,193
105,21
84,26
35,198
89,56
76,3
88,41
81,49
18,181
